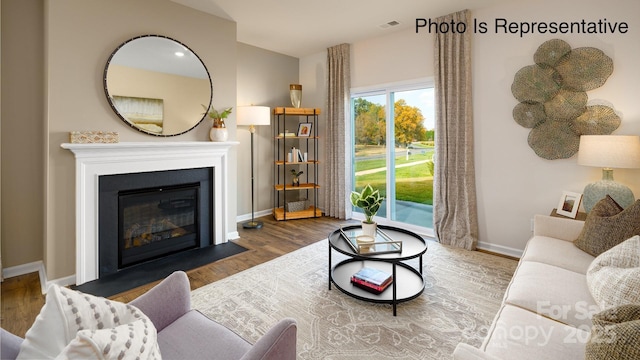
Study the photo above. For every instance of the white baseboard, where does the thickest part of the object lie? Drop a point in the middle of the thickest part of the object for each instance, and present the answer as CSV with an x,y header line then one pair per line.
x,y
65,281
37,266
23,269
28,268
247,217
499,249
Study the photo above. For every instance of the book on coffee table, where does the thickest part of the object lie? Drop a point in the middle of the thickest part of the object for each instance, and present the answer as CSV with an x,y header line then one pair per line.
x,y
371,279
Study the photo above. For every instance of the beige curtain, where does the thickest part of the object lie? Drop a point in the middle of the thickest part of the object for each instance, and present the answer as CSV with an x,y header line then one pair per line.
x,y
455,210
338,84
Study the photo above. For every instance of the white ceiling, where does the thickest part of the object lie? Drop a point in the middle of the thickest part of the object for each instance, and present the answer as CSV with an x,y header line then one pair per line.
x,y
303,27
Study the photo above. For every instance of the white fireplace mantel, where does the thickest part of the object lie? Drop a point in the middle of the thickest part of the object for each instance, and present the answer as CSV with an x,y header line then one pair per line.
x,y
95,160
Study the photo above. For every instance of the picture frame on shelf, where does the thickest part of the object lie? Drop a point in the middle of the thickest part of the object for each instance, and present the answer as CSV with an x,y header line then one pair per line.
x,y
569,204
304,129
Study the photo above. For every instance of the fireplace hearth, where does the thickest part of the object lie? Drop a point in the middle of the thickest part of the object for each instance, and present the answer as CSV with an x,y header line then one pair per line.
x,y
149,215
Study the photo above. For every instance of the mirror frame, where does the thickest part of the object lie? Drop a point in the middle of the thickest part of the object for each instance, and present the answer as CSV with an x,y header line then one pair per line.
x,y
122,117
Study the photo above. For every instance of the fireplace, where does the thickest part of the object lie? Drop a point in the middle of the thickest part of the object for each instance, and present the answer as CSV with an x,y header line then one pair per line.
x,y
156,222
149,215
94,161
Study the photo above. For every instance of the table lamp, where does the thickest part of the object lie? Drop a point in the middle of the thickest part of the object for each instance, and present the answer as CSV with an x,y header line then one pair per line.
x,y
608,152
252,116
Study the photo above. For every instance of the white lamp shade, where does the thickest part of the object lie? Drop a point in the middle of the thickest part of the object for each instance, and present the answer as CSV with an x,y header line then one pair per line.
x,y
253,115
609,151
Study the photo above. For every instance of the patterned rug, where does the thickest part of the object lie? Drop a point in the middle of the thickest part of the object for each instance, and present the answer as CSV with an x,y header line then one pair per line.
x,y
462,294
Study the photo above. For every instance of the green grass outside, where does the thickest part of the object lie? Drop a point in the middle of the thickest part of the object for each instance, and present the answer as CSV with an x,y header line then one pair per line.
x,y
413,183
361,165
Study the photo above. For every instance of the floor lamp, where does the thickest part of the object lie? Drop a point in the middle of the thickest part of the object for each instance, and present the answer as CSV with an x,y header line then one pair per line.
x,y
252,116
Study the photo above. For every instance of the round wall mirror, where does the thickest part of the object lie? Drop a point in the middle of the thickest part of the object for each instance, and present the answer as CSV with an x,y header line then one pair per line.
x,y
157,85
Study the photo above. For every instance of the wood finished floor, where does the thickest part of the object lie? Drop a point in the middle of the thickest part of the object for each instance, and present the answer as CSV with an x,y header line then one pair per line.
x,y
22,298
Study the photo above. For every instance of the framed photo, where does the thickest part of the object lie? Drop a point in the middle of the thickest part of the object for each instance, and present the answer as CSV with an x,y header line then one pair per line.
x,y
304,129
569,204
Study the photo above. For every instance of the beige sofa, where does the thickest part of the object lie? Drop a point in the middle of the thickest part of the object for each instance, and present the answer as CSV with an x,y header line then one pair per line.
x,y
547,308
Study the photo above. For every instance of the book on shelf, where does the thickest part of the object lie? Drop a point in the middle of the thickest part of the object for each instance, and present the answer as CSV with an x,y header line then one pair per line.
x,y
296,156
372,279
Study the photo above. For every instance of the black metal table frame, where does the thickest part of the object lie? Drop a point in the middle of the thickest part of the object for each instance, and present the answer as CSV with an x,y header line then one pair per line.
x,y
394,261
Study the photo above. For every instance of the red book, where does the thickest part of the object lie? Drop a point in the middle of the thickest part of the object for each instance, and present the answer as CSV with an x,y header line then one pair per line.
x,y
376,289
372,279
373,276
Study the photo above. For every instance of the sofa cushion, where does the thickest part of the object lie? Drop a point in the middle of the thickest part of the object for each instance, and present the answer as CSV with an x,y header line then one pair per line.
x,y
553,292
614,276
194,336
521,334
615,334
66,312
560,253
607,225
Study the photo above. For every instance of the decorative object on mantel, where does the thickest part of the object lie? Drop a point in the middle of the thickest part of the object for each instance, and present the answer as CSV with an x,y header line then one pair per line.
x,y
608,152
295,91
93,137
554,102
218,131
369,200
253,115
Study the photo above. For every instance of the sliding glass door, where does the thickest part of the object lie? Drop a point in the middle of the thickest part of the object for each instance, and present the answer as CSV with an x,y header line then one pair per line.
x,y
393,148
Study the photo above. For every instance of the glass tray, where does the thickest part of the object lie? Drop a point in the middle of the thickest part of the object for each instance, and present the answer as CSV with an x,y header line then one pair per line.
x,y
383,243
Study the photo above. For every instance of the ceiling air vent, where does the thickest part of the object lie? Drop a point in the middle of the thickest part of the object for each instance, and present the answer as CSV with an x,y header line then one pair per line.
x,y
389,24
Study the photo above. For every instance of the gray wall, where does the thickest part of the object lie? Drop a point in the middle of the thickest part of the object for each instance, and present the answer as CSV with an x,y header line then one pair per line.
x,y
263,79
22,139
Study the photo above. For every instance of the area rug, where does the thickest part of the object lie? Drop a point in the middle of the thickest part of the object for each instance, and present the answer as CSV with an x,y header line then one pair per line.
x,y
462,295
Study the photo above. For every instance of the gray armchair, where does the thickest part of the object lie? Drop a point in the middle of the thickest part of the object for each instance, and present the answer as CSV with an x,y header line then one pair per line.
x,y
184,333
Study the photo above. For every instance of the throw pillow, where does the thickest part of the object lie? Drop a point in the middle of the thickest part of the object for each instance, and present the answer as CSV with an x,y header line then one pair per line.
x,y
614,335
614,276
130,341
607,225
67,312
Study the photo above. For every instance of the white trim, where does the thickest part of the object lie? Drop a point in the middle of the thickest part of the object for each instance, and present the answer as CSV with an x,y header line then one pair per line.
x,y
23,269
95,160
246,217
381,89
28,268
65,281
500,249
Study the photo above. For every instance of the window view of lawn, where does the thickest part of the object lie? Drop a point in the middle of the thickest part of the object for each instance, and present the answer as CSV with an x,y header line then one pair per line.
x,y
411,191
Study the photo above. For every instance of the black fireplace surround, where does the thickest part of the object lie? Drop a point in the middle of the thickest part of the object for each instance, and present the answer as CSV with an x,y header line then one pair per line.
x,y
149,215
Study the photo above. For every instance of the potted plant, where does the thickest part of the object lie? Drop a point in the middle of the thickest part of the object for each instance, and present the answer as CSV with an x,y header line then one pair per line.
x,y
369,200
296,177
218,131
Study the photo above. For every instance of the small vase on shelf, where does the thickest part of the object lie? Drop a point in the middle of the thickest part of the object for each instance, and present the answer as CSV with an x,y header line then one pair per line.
x,y
296,177
295,91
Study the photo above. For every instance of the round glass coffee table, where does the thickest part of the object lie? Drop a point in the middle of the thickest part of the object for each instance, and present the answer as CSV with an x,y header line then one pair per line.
x,y
407,281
